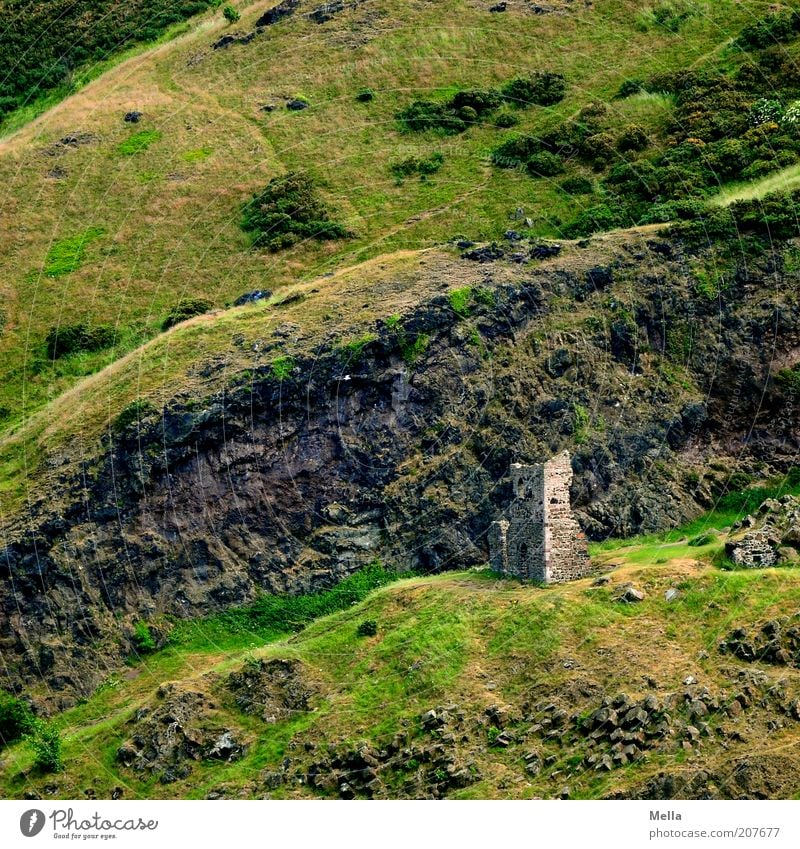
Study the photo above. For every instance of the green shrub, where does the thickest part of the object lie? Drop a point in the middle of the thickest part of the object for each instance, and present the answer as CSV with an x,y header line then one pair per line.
x,y
774,28
629,88
230,14
544,164
595,219
365,95
133,413
46,43
184,310
142,639
632,137
368,628
541,88
506,119
422,115
424,166
67,339
479,100
577,185
765,111
701,539
282,367
598,149
45,740
16,718
459,301
788,381
515,151
287,210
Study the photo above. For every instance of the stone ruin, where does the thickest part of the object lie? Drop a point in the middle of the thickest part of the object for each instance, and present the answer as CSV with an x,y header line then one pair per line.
x,y
539,538
770,537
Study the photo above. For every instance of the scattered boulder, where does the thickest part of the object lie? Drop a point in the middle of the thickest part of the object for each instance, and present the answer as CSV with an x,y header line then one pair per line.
x,y
326,11
297,105
284,9
545,251
275,690
252,297
175,731
132,117
487,253
631,595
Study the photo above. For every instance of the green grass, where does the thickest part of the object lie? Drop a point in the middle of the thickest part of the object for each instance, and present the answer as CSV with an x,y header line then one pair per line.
x,y
67,255
139,142
728,509
274,615
197,155
168,221
467,638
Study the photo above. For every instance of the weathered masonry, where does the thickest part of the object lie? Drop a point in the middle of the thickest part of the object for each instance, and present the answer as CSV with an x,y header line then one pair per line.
x,y
539,538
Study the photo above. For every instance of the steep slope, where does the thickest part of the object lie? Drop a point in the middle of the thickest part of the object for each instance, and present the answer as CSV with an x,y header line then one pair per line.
x,y
309,437
468,688
112,223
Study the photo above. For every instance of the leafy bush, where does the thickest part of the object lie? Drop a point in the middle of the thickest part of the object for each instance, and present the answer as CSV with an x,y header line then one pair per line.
x,y
541,88
368,628
478,99
516,151
142,639
629,88
230,14
598,149
765,111
544,164
282,367
506,119
133,413
424,166
701,539
773,29
577,185
365,95
184,310
592,220
45,740
44,55
288,210
459,301
422,115
66,339
633,137
16,718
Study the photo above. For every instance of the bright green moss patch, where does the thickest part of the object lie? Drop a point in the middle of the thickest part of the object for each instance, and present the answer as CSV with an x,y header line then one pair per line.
x,y
138,142
66,255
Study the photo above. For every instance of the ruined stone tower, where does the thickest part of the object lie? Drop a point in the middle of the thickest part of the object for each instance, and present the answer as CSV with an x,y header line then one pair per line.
x,y
539,538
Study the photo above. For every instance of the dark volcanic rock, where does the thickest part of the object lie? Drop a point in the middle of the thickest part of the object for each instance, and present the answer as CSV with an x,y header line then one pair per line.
x,y
277,13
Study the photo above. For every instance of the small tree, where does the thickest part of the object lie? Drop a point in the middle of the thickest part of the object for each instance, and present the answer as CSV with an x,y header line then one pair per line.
x,y
45,739
230,14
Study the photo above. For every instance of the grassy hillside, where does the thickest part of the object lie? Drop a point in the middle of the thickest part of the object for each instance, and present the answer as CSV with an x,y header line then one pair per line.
x,y
494,658
113,223
50,50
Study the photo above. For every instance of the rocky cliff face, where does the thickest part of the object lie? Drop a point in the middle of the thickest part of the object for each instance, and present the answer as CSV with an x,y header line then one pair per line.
x,y
396,448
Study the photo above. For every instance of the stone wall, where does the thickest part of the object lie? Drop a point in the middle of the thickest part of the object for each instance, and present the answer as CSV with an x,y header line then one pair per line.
x,y
539,539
